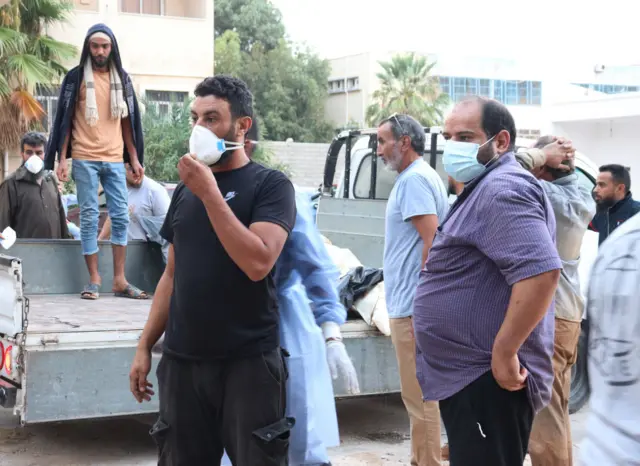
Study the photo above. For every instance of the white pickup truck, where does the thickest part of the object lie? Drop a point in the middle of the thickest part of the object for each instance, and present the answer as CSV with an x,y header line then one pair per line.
x,y
351,213
64,358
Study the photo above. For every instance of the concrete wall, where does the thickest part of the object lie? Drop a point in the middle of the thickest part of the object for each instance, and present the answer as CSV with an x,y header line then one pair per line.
x,y
305,160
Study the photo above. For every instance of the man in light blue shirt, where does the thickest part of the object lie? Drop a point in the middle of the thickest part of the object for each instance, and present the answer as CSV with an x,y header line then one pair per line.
x,y
417,203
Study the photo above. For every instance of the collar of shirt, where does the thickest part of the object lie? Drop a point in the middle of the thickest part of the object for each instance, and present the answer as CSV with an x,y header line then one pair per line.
x,y
22,174
565,180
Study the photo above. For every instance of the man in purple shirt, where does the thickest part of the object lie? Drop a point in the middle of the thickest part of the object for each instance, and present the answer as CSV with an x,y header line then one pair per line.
x,y
483,310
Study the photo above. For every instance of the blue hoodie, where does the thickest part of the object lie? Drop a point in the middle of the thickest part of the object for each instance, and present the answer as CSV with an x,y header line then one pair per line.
x,y
67,103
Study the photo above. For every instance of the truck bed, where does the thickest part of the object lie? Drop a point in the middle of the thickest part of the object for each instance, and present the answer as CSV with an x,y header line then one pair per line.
x,y
69,313
67,319
79,351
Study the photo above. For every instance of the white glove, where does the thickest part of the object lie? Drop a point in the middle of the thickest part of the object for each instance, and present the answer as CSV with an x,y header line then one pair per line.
x,y
338,359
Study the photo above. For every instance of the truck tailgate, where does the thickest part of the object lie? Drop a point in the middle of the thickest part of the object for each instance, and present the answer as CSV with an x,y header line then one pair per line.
x,y
69,320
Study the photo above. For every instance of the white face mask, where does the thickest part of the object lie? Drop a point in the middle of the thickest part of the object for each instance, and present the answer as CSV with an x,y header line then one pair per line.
x,y
207,147
34,164
9,236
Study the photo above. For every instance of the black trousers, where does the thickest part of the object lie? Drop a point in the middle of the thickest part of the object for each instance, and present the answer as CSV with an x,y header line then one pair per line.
x,y
487,425
237,405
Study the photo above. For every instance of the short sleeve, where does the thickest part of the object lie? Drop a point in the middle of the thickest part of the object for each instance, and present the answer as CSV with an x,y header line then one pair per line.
x,y
276,202
160,201
167,227
415,197
518,238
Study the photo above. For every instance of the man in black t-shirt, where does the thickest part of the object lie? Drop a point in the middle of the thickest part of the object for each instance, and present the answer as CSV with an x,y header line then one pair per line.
x,y
222,376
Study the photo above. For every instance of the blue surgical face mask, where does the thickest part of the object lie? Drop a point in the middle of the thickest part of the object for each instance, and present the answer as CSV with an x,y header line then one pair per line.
x,y
460,160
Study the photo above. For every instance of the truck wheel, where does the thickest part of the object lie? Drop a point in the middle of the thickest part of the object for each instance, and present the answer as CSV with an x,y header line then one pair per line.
x,y
580,390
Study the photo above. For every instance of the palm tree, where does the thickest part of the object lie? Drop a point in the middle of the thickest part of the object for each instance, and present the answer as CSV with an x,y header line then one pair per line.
x,y
406,86
28,57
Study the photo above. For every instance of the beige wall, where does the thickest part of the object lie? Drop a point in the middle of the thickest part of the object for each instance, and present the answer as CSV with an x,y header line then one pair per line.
x,y
160,52
343,107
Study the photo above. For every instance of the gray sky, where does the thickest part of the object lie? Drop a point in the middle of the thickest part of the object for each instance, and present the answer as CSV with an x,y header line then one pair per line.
x,y
552,31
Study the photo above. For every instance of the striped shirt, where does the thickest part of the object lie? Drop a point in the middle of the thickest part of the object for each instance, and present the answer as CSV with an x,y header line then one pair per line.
x,y
613,309
500,231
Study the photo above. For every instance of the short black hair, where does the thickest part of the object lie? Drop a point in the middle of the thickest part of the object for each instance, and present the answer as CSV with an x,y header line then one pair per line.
x,y
495,118
233,90
253,134
406,125
33,139
619,173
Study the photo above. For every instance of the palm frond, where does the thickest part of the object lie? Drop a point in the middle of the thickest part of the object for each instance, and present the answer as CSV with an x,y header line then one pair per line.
x,y
29,108
47,48
30,70
13,126
5,87
11,41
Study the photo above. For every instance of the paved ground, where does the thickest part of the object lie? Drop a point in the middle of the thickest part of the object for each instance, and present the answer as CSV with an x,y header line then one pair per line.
x,y
374,433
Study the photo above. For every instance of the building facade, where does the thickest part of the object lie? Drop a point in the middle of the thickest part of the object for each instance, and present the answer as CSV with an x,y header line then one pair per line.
x,y
166,46
524,86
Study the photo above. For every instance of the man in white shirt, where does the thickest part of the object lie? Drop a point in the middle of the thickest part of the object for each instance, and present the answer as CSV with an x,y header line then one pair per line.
x,y
148,205
613,429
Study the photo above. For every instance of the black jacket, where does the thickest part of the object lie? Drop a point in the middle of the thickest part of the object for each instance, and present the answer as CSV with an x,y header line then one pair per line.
x,y
67,104
606,221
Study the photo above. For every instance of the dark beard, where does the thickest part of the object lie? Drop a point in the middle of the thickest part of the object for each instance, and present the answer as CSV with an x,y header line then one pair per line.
x,y
486,154
224,158
604,205
102,63
452,189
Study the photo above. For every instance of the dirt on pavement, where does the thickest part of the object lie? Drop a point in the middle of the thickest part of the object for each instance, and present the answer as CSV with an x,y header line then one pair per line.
x,y
374,432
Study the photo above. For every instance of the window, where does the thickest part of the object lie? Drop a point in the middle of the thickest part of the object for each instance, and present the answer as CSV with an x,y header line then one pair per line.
x,y
508,92
472,86
528,133
511,93
179,8
48,98
609,88
384,179
165,100
91,5
485,88
353,84
536,93
498,90
523,92
459,89
147,7
336,85
445,85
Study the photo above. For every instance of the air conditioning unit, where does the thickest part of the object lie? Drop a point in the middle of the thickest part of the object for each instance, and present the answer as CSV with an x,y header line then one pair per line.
x,y
598,69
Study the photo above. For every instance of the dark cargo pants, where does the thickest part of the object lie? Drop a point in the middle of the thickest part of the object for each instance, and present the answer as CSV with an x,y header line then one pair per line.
x,y
237,405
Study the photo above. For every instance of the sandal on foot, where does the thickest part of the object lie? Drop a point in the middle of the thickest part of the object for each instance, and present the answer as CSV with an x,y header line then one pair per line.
x,y
132,292
91,291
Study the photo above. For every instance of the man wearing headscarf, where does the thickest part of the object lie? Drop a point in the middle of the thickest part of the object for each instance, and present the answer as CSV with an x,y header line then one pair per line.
x,y
98,126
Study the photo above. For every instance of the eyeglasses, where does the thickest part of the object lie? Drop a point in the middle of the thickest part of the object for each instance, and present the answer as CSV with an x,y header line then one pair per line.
x,y
395,117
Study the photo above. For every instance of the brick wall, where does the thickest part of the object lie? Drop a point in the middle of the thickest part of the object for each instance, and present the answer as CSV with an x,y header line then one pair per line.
x,y
305,160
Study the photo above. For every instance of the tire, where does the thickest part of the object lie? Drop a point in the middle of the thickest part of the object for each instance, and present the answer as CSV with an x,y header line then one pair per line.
x,y
580,390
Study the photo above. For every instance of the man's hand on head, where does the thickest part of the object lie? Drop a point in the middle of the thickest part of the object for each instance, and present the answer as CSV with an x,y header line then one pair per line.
x,y
136,169
557,152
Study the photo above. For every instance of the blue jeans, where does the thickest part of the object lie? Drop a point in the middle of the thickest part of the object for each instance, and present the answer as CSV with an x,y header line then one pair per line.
x,y
112,177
